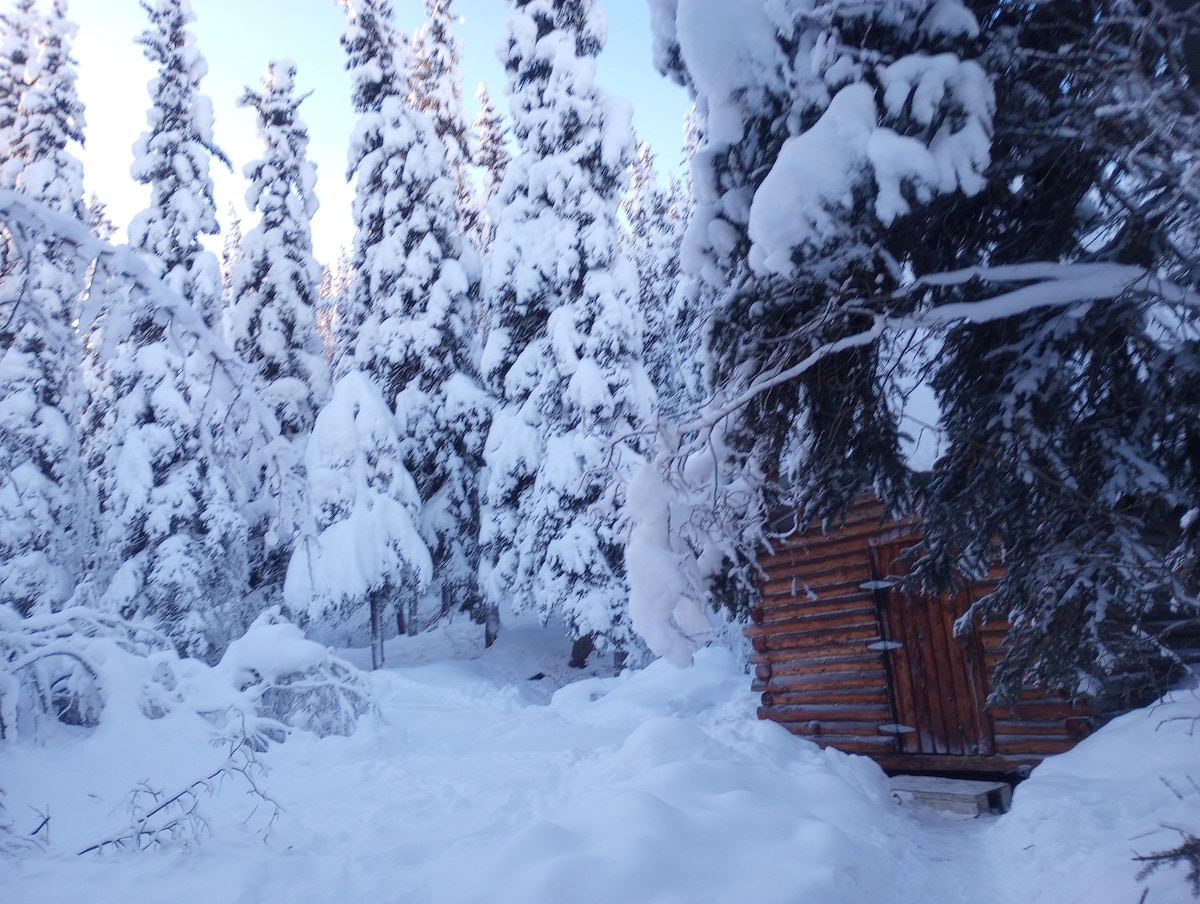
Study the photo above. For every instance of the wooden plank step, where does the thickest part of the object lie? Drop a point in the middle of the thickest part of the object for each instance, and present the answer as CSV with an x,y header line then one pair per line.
x,y
970,798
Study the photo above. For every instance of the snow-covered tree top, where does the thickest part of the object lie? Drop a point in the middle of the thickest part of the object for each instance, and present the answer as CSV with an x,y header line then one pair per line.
x,y
377,59
173,158
437,81
549,54
40,112
169,44
286,139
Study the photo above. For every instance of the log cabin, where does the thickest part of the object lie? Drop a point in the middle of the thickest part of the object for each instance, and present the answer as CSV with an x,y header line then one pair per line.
x,y
842,657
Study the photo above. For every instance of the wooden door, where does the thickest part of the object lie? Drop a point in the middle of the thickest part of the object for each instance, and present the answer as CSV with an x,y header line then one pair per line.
x,y
937,683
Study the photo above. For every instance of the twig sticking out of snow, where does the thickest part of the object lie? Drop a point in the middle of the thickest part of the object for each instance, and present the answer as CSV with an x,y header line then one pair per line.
x,y
175,820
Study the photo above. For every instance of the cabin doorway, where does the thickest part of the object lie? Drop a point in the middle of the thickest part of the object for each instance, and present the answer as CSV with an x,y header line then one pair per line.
x,y
936,682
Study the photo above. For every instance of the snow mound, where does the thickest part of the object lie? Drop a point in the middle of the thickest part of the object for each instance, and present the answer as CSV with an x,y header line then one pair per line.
x,y
1081,817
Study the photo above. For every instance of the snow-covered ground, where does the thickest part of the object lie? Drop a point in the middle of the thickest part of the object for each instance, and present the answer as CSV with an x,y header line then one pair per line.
x,y
477,783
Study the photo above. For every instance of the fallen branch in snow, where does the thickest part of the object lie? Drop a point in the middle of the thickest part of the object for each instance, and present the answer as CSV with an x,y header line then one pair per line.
x,y
175,821
13,843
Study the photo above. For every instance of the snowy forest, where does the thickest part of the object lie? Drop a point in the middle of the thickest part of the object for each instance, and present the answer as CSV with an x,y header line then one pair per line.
x,y
943,251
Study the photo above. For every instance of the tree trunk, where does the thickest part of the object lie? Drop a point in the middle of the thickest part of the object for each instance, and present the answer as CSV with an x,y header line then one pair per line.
x,y
491,625
581,650
377,629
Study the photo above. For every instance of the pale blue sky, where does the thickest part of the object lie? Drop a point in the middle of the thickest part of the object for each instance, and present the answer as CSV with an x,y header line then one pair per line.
x,y
237,37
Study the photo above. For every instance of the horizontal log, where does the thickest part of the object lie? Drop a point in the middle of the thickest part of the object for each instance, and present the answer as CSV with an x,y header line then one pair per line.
x,y
838,711
820,553
1053,728
843,684
821,621
787,590
1047,711
785,669
868,746
830,652
871,687
798,584
816,552
869,512
1024,744
966,764
841,635
777,610
875,693
781,608
841,676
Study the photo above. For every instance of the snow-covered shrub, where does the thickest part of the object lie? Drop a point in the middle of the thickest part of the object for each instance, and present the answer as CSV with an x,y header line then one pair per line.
x,y
53,666
130,688
292,682
82,667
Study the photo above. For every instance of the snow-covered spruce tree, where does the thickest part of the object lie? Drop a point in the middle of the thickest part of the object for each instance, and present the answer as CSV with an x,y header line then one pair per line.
x,y
824,132
353,579
98,220
17,31
231,253
275,281
1071,432
337,280
656,225
1054,402
45,515
416,299
563,352
492,157
49,117
173,158
164,452
436,89
273,293
166,433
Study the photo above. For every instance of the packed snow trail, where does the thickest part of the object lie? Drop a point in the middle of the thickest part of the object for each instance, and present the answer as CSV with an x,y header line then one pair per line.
x,y
477,784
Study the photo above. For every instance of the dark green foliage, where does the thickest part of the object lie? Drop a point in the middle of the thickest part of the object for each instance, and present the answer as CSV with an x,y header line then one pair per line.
x,y
1186,853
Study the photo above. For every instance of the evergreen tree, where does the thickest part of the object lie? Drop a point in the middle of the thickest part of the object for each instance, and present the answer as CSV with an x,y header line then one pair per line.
x,y
656,225
274,297
173,419
46,535
163,449
18,33
1068,429
49,118
436,89
415,336
334,294
275,280
353,575
491,155
231,254
813,156
563,351
1065,439
173,159
98,220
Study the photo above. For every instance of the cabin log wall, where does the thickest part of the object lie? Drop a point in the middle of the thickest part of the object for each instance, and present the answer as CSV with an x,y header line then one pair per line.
x,y
812,634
